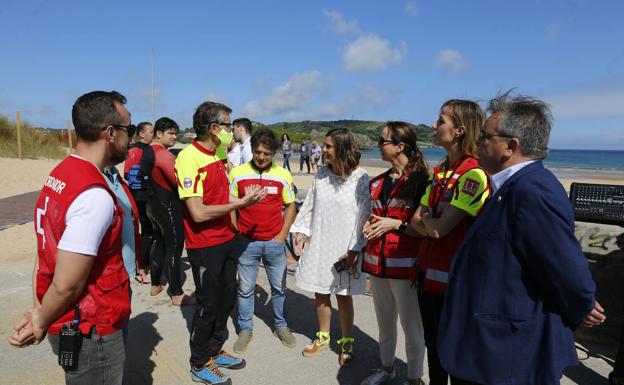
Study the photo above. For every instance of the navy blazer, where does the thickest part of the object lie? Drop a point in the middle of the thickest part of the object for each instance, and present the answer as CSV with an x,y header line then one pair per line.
x,y
519,283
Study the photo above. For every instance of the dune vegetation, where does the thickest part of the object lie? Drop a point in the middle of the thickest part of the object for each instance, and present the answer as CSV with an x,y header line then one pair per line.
x,y
36,142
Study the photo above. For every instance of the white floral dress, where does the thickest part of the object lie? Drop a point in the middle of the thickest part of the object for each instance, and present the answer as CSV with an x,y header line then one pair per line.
x,y
332,216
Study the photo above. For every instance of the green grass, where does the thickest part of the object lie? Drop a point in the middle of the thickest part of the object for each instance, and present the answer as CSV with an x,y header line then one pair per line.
x,y
36,142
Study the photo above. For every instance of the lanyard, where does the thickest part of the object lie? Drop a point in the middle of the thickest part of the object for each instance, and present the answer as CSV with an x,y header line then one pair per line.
x,y
440,192
393,192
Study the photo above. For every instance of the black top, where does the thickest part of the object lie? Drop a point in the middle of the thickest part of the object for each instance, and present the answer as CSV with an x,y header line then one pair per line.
x,y
420,179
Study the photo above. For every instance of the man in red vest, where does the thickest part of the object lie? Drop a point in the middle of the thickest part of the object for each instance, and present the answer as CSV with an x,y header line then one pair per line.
x,y
81,289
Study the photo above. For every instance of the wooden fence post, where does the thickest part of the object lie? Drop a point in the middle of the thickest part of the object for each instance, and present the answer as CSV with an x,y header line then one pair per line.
x,y
19,134
69,135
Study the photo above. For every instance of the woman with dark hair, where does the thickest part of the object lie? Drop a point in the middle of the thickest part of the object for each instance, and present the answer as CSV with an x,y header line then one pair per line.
x,y
286,150
457,191
328,236
390,253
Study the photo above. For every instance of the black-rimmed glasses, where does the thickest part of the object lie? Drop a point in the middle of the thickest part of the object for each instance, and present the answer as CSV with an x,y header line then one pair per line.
x,y
484,135
227,125
383,141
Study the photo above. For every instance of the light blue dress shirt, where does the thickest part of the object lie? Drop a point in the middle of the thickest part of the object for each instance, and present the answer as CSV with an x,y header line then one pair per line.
x,y
128,251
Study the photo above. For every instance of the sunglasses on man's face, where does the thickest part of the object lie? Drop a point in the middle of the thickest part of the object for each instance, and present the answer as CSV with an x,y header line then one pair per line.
x,y
130,128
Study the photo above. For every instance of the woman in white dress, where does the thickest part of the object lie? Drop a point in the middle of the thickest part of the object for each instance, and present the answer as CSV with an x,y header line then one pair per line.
x,y
328,233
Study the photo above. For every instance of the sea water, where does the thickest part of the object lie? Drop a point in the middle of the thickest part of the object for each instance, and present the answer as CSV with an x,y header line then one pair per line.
x,y
572,160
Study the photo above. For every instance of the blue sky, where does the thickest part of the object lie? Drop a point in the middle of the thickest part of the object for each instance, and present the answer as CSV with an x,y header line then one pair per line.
x,y
319,60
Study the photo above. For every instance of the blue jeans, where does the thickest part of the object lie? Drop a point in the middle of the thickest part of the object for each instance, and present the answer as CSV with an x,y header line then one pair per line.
x,y
274,259
286,161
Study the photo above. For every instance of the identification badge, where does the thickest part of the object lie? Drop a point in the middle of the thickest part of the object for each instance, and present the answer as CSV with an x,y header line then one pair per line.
x,y
270,190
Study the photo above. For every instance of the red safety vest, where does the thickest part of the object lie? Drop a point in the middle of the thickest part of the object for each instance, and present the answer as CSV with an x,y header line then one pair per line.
x,y
392,255
105,302
436,254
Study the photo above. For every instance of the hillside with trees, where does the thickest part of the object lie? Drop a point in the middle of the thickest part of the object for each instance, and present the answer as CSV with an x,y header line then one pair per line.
x,y
366,132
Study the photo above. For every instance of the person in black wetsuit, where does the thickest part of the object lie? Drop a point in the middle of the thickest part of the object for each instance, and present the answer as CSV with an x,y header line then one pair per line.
x,y
165,211
141,155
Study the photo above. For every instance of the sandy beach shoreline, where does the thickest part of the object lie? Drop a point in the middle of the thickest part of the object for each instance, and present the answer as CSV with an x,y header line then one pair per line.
x,y
25,175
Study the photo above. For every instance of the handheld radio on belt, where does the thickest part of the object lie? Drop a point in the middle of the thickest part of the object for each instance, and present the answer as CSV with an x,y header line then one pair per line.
x,y
70,342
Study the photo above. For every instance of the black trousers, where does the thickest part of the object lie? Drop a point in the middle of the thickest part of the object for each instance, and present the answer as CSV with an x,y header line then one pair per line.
x,y
305,159
430,310
146,229
165,211
214,270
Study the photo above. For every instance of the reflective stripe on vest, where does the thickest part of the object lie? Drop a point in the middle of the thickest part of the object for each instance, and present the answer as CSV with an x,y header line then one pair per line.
x,y
437,275
400,262
371,259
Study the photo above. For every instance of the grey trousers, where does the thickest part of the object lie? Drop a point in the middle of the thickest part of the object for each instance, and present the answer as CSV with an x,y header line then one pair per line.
x,y
100,361
394,298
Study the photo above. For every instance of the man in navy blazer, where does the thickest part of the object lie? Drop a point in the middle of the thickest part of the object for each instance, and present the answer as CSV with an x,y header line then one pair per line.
x,y
519,284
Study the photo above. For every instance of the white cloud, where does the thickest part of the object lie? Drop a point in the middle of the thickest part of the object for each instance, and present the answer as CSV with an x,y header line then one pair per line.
x,y
588,104
288,97
339,25
309,96
451,60
411,8
371,52
553,31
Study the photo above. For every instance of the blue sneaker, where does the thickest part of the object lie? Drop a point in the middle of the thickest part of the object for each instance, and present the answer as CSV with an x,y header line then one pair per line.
x,y
228,361
210,375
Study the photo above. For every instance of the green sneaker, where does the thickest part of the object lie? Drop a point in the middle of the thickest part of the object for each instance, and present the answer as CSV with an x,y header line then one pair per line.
x,y
285,336
242,343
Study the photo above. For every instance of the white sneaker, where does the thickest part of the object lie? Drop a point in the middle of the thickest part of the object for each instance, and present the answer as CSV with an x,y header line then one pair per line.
x,y
379,377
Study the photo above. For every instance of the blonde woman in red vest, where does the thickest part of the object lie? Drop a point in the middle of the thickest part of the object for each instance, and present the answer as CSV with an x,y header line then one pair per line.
x,y
458,189
390,254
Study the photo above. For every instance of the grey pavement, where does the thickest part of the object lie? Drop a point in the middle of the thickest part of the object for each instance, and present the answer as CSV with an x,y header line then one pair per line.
x,y
158,351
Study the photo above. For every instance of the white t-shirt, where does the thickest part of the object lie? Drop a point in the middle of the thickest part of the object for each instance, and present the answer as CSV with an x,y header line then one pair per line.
x,y
235,156
245,152
87,220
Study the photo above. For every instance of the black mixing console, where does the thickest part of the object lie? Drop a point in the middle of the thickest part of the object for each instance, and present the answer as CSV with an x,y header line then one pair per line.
x,y
598,203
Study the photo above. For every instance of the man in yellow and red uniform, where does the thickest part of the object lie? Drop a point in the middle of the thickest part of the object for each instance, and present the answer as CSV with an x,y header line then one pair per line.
x,y
264,232
209,236
79,277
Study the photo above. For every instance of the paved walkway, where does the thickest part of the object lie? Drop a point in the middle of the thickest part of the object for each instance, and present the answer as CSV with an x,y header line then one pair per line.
x,y
17,209
158,351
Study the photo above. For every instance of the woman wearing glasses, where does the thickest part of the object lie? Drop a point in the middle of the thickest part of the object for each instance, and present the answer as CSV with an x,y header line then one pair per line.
x,y
330,224
390,254
457,191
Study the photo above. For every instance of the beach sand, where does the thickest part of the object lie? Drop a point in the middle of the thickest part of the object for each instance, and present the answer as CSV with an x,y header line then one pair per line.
x,y
20,176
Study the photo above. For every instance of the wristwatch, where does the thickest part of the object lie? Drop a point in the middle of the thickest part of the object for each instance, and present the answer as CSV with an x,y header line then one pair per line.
x,y
402,227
